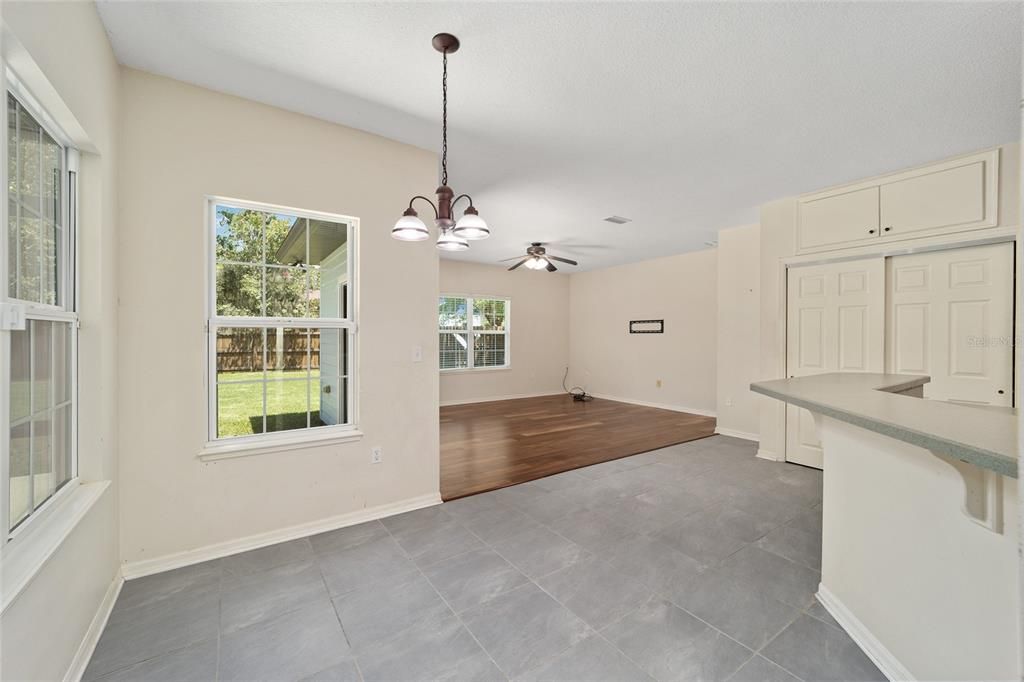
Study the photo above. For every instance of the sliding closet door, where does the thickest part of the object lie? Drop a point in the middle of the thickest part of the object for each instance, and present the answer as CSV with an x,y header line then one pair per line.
x,y
950,316
835,323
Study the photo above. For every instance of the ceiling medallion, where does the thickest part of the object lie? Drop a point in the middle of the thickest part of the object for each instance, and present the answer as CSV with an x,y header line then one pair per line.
x,y
452,235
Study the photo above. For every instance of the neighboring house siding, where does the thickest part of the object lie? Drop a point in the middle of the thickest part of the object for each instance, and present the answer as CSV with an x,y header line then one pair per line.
x,y
333,273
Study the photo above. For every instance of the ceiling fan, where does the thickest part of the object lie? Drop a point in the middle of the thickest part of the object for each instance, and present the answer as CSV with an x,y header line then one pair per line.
x,y
536,258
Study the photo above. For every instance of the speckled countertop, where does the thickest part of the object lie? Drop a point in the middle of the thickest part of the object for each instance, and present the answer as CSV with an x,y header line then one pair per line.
x,y
985,438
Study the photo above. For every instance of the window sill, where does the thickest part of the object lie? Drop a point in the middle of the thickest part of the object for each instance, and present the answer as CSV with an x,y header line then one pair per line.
x,y
28,552
474,370
215,451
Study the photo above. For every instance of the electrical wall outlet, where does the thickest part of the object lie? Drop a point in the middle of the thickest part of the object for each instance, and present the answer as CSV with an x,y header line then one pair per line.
x,y
658,383
728,402
376,455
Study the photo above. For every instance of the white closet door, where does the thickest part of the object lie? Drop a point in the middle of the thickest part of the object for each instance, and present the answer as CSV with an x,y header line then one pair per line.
x,y
835,323
950,316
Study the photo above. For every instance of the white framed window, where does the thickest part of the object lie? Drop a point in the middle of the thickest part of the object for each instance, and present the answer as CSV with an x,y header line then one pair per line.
x,y
282,323
38,318
473,332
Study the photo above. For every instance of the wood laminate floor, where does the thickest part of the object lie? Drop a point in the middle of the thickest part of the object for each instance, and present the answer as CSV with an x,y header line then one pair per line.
x,y
486,446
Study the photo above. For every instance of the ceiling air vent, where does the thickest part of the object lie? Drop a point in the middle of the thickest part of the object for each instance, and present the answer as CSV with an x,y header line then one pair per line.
x,y
617,219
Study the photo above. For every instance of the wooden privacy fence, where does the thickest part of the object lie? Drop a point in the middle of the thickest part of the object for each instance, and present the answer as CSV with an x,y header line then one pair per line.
x,y
242,351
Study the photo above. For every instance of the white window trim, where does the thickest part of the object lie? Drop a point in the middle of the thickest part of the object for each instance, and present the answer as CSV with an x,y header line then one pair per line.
x,y
34,528
51,525
267,443
471,340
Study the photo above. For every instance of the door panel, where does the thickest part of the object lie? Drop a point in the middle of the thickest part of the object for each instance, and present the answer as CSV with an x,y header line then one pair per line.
x,y
835,317
854,352
910,331
956,325
967,319
811,338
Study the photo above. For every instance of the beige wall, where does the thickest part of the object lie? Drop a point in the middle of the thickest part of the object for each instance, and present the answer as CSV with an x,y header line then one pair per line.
x,y
181,143
62,55
608,361
539,332
739,330
778,241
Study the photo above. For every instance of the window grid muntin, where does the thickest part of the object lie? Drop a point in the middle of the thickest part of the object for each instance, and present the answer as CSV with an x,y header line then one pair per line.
x,y
471,332
60,220
310,272
346,325
64,290
51,409
345,376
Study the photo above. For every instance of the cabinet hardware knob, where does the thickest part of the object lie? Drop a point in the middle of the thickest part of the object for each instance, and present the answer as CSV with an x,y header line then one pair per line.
x,y
871,231
1000,391
888,228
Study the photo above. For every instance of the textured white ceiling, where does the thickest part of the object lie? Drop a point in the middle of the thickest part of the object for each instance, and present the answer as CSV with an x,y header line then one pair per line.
x,y
683,117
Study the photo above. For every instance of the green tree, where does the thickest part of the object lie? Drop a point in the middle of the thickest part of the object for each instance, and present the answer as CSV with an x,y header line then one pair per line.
x,y
247,273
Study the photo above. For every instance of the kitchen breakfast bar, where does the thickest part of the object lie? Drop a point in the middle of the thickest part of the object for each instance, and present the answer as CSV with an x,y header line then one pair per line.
x,y
920,524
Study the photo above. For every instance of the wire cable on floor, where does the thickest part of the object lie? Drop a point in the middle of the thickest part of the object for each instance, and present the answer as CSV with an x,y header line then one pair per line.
x,y
577,392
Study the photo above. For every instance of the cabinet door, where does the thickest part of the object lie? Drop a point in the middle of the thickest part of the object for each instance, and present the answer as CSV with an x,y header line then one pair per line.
x,y
944,200
835,317
839,219
950,316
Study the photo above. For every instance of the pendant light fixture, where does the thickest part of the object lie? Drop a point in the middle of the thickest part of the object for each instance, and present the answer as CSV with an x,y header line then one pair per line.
x,y
452,235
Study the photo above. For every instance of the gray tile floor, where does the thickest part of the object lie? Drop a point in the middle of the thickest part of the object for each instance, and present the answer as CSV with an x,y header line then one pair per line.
x,y
695,562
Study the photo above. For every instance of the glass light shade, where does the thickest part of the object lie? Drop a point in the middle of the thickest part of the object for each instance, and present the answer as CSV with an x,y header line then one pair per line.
x,y
449,241
472,226
410,228
536,263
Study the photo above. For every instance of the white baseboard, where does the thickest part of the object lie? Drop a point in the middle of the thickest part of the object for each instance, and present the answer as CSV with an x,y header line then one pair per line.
x,y
448,403
869,644
661,406
92,636
737,434
137,569
769,455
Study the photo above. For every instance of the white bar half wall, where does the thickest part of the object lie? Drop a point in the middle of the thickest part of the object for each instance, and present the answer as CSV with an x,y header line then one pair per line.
x,y
927,592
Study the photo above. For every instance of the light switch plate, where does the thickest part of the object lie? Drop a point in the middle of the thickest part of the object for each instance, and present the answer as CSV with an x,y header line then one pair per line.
x,y
417,353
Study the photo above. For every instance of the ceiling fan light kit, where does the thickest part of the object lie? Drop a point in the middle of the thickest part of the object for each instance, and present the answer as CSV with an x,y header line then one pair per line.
x,y
537,258
536,263
452,235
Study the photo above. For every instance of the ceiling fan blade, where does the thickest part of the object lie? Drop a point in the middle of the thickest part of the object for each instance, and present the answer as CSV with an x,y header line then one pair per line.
x,y
551,266
518,264
563,260
505,260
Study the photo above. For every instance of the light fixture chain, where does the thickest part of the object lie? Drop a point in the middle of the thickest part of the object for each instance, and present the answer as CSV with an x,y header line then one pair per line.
x,y
444,119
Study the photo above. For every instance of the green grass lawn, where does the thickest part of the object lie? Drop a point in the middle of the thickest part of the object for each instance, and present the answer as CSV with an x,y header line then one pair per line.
x,y
240,405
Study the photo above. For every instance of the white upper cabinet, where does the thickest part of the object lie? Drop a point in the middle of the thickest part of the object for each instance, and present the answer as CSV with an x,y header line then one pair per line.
x,y
947,198
951,196
839,219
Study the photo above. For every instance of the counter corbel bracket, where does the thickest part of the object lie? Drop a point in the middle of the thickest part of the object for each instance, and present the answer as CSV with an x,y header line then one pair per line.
x,y
983,493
